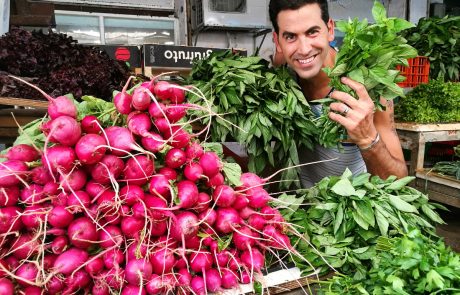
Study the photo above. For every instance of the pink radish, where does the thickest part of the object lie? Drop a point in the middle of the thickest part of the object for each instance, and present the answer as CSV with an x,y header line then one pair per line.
x,y
64,130
32,194
141,98
185,227
156,285
26,273
123,100
59,106
113,258
160,186
131,194
162,90
25,246
223,196
33,216
229,278
82,233
253,259
90,148
227,219
77,201
73,181
59,244
139,123
177,95
90,125
137,271
110,236
213,280
177,137
175,112
169,173
9,220
121,140
162,260
12,172
6,287
68,261
22,152
194,151
193,171
216,180
175,158
156,110
59,157
200,261
40,175
153,142
133,290
138,170
203,202
9,196
109,168
198,285
258,197
210,163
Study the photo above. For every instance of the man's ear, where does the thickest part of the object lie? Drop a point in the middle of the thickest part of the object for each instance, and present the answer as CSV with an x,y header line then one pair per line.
x,y
275,40
330,30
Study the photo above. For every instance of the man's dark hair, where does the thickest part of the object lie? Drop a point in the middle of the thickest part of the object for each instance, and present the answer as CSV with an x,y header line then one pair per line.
x,y
276,6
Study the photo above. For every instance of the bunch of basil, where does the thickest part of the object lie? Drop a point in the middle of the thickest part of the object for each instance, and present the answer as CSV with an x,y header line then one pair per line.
x,y
369,55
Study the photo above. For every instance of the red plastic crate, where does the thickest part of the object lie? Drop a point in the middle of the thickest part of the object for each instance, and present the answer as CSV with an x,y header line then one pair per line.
x,y
417,72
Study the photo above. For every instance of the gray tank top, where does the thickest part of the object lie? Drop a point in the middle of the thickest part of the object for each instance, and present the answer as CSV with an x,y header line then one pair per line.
x,y
349,158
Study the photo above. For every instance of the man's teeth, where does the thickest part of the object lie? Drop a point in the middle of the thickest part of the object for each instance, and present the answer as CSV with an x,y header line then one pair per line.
x,y
308,60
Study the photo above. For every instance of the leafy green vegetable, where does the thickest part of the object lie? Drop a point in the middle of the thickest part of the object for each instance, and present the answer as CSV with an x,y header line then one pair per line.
x,y
448,168
262,108
434,102
369,55
410,264
438,38
347,214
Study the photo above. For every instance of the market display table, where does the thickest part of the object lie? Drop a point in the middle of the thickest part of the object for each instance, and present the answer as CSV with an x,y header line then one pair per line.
x,y
29,110
414,137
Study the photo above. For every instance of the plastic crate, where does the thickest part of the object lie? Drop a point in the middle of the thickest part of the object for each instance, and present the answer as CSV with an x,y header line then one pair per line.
x,y
416,73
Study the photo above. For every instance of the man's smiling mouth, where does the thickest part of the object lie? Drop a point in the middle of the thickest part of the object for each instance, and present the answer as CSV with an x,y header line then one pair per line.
x,y
308,60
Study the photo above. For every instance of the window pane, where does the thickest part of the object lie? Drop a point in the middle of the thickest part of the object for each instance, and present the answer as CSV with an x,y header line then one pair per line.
x,y
83,28
138,31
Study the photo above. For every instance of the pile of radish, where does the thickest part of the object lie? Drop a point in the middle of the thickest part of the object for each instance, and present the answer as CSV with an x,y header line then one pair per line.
x,y
136,209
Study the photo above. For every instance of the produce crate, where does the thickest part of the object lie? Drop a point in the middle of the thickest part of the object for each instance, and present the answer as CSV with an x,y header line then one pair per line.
x,y
416,73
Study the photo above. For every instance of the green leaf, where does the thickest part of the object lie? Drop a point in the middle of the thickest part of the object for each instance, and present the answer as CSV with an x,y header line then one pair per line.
x,y
232,172
382,222
401,205
338,218
378,12
344,188
360,221
213,147
400,183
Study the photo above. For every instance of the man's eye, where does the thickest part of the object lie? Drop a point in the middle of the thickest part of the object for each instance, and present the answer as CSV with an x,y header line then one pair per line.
x,y
289,37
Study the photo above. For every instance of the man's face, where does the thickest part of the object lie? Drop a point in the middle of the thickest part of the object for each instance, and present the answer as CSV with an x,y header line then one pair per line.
x,y
303,39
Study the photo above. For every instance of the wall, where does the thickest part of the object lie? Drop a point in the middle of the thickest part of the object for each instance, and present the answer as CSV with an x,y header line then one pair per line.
x,y
339,9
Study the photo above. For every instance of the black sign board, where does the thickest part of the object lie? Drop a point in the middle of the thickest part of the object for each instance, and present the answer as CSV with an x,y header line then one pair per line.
x,y
129,54
167,56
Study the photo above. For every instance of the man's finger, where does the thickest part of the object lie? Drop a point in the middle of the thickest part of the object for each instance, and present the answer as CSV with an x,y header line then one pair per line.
x,y
359,88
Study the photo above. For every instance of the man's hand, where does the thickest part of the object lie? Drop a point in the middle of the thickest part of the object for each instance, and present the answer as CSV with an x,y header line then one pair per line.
x,y
355,115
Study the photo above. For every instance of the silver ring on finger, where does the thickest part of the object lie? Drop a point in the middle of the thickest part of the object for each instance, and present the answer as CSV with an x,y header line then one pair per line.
x,y
346,110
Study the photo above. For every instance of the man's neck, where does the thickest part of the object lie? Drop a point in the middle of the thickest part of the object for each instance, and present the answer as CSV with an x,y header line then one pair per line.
x,y
318,86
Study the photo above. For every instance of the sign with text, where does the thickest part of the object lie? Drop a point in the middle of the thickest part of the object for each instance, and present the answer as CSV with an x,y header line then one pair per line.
x,y
169,56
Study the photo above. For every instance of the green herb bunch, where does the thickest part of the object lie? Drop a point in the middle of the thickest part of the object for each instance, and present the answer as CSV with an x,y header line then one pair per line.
x,y
406,265
347,214
262,108
369,55
434,102
438,39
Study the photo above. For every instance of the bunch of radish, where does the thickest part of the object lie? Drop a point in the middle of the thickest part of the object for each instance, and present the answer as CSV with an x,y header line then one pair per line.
x,y
135,209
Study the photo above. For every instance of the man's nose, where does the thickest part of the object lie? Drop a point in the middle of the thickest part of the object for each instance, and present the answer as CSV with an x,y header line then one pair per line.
x,y
304,46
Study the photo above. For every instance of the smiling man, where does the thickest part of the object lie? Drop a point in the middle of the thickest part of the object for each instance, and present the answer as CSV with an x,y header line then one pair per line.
x,y
302,33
